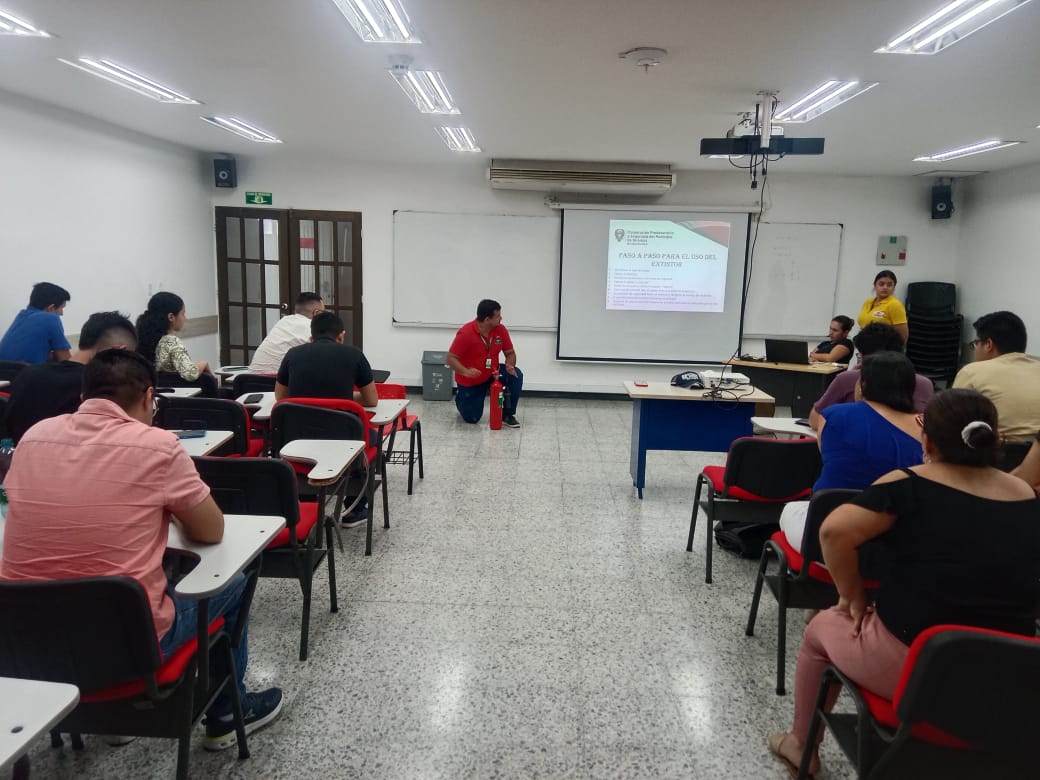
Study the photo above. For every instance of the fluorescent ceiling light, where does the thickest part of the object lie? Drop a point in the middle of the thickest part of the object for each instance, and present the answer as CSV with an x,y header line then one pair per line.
x,y
379,21
990,145
725,157
829,95
243,129
952,23
12,25
124,77
425,88
458,139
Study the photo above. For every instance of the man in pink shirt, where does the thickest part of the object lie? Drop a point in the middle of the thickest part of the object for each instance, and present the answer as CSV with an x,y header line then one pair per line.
x,y
91,495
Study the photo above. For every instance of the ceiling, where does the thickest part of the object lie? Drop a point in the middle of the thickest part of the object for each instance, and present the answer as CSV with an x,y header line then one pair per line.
x,y
541,78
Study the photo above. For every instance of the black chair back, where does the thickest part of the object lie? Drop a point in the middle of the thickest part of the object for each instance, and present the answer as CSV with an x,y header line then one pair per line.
x,y
978,685
773,468
823,502
252,383
94,632
206,414
1012,453
291,421
931,298
206,382
252,486
4,434
9,369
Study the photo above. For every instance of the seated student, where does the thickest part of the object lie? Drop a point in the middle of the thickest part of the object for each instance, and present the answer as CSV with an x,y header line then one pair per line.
x,y
290,331
837,348
37,335
860,441
91,494
49,389
1005,374
1029,468
156,329
964,545
876,337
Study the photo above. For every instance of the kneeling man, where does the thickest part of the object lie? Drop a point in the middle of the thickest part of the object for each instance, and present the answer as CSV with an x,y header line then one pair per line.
x,y
474,357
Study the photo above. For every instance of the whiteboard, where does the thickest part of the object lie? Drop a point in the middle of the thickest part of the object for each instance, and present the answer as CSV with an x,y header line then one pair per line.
x,y
794,278
444,264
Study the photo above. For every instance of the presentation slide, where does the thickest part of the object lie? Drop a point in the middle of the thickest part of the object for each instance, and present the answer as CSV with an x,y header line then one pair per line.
x,y
667,265
651,286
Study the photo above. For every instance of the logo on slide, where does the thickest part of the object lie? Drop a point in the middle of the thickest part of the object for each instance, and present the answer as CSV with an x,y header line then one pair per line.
x,y
619,234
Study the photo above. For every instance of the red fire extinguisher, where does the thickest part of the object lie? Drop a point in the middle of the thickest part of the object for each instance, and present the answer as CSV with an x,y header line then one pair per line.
x,y
497,403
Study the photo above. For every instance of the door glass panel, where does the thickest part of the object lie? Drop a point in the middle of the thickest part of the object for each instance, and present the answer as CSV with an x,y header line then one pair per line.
x,y
238,357
306,243
255,316
307,278
345,235
345,286
325,242
327,272
234,272
253,283
273,315
234,238
253,239
271,239
235,325
271,282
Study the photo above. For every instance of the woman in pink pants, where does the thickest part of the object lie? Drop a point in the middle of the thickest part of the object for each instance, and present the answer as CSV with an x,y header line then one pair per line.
x,y
962,544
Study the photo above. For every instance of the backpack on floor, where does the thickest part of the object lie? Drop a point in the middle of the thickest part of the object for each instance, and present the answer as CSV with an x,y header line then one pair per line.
x,y
744,539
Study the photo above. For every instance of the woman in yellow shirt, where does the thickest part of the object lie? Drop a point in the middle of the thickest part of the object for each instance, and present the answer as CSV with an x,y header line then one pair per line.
x,y
884,306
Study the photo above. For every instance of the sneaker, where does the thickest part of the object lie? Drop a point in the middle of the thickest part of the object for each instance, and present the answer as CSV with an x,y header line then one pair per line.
x,y
358,517
116,740
510,421
258,710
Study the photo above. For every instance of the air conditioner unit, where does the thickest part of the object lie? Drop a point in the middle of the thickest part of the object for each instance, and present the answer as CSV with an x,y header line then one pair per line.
x,y
592,177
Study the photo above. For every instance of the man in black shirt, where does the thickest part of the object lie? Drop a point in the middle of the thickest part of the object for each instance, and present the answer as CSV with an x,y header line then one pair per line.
x,y
49,389
326,367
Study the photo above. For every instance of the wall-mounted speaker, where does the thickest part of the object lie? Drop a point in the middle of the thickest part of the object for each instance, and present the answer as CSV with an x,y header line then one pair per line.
x,y
225,173
942,201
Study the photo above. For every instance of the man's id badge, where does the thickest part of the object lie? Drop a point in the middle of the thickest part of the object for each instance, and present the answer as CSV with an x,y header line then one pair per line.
x,y
487,364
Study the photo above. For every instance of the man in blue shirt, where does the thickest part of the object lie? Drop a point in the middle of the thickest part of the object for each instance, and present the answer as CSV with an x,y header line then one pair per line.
x,y
37,335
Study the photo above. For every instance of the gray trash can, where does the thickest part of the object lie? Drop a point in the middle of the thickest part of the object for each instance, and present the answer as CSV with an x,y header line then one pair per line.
x,y
436,377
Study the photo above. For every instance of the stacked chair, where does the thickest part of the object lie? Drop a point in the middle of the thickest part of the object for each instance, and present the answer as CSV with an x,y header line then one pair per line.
x,y
934,346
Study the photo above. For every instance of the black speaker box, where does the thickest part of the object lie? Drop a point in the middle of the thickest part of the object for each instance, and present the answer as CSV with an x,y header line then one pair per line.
x,y
942,201
225,173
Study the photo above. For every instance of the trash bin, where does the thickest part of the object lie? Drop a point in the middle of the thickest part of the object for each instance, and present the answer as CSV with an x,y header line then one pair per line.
x,y
436,377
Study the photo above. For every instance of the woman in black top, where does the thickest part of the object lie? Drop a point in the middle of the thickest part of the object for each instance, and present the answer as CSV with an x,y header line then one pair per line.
x,y
837,348
961,542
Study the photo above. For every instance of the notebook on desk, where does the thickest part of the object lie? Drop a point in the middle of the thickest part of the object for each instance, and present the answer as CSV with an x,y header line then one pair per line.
x,y
781,351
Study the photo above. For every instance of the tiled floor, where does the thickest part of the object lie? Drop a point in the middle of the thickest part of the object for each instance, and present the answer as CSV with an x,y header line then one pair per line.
x,y
525,616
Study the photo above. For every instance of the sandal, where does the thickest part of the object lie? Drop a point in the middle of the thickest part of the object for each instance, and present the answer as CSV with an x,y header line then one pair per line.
x,y
775,741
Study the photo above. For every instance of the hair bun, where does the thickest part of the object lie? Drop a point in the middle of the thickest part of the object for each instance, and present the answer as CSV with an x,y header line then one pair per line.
x,y
978,434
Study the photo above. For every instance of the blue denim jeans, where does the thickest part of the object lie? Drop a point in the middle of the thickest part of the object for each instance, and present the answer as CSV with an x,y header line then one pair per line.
x,y
470,400
185,628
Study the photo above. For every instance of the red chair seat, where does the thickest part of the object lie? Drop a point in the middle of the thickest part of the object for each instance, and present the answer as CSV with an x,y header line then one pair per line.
x,y
884,712
403,423
171,671
255,448
716,474
308,517
795,560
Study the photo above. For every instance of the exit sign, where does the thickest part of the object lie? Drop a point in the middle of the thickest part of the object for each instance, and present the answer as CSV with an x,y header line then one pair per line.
x,y
259,198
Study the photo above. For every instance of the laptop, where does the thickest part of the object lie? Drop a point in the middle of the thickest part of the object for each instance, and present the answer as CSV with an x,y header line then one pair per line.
x,y
781,351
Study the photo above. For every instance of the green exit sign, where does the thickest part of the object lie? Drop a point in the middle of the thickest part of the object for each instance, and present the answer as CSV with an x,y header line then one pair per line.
x,y
259,198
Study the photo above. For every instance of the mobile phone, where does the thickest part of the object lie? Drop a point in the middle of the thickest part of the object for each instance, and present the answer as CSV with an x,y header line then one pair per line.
x,y
253,398
190,434
802,421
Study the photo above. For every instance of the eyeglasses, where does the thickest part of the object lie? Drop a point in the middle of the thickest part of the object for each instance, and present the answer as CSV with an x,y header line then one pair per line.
x,y
974,343
155,404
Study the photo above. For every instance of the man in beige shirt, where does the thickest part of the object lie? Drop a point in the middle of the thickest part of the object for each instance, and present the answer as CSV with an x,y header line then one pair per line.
x,y
1005,374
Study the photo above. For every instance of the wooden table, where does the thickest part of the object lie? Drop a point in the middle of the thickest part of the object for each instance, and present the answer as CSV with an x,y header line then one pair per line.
x,y
676,418
206,444
179,392
791,384
782,425
28,709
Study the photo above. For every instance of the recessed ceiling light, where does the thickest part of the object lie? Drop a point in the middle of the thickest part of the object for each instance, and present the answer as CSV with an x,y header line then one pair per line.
x,y
124,77
829,95
458,139
379,21
244,129
952,23
12,25
990,145
425,88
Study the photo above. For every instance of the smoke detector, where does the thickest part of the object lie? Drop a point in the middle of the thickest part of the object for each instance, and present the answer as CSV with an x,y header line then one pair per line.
x,y
645,57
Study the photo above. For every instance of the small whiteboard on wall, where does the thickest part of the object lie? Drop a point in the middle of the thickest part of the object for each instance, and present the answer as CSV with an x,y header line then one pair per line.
x,y
444,264
794,279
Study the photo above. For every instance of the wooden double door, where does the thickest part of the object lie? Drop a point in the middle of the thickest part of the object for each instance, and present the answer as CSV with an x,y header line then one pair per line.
x,y
267,257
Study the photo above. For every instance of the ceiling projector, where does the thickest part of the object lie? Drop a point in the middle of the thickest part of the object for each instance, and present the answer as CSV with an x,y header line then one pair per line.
x,y
757,135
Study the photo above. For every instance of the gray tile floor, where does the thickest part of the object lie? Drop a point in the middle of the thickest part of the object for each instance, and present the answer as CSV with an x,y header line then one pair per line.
x,y
525,616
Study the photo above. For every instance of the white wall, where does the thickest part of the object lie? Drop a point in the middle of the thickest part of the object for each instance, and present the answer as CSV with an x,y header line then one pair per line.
x,y
868,207
106,213
1000,246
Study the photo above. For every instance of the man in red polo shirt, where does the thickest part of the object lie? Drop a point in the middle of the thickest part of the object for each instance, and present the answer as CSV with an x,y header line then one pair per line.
x,y
474,357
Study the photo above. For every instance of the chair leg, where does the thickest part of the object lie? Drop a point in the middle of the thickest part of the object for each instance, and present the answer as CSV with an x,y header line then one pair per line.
x,y
386,501
708,536
693,514
331,559
306,582
781,635
814,728
763,563
77,740
184,731
56,740
411,457
418,440
236,706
